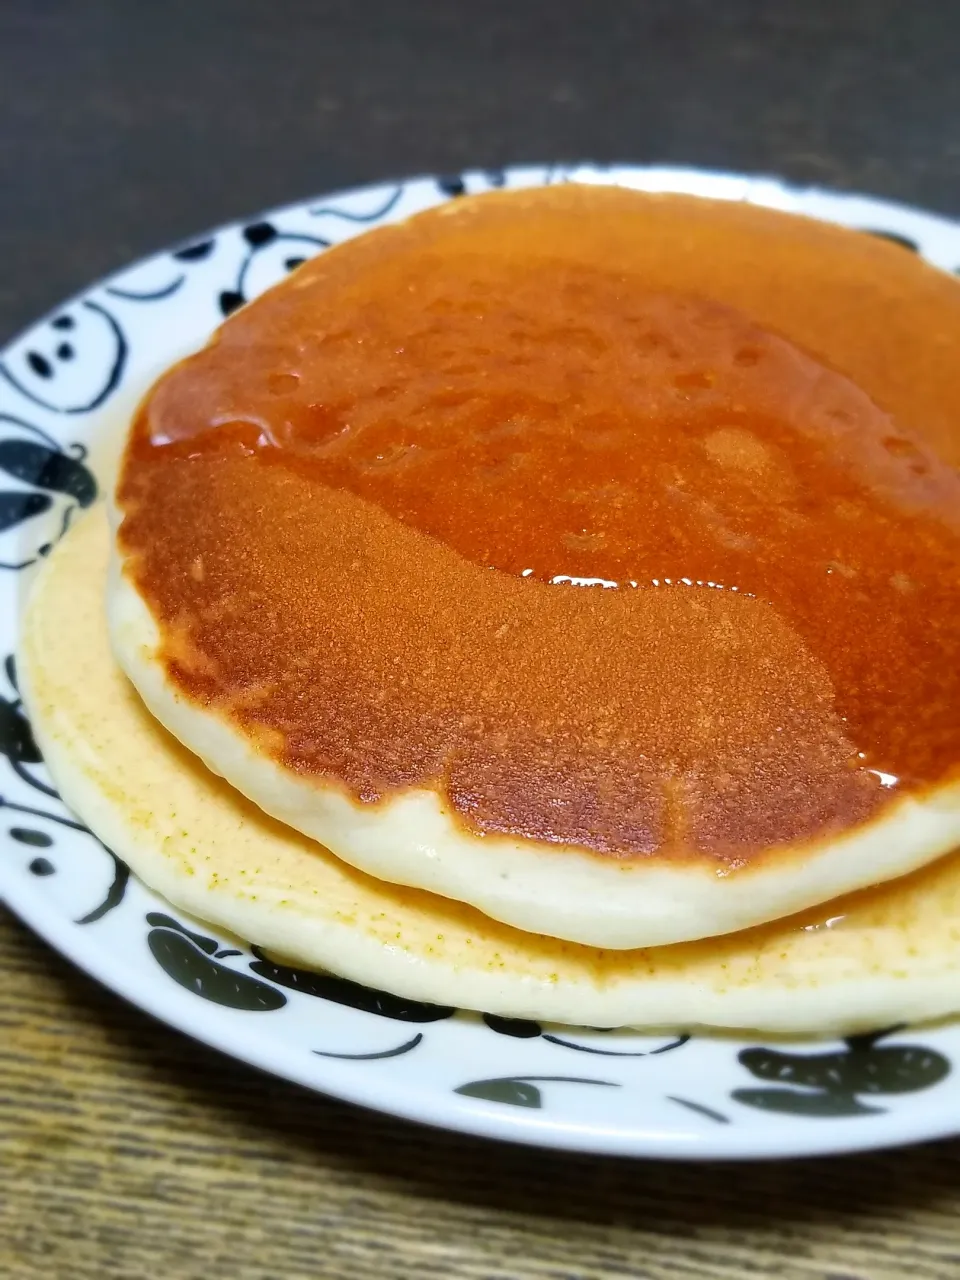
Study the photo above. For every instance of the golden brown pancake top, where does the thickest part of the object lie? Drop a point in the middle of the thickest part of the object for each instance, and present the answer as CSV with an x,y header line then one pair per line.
x,y
363,516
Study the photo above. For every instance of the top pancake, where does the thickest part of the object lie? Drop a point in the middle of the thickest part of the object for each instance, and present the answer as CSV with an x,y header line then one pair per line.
x,y
362,519
883,956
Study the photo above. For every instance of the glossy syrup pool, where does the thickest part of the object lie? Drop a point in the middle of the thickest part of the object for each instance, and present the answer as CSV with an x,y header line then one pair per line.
x,y
563,424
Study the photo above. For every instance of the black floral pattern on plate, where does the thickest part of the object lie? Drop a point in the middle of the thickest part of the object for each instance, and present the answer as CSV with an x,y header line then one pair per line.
x,y
525,1029
522,1091
836,1082
699,1109
191,959
30,456
342,991
17,744
396,1052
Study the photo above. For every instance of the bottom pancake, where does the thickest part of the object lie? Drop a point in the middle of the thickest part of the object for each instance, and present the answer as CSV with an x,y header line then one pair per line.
x,y
881,956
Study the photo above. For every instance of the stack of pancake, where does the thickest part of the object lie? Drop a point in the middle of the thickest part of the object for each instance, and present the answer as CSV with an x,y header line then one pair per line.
x,y
550,606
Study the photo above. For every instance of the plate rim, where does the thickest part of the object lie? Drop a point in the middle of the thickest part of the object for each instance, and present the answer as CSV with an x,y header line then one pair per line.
x,y
474,1118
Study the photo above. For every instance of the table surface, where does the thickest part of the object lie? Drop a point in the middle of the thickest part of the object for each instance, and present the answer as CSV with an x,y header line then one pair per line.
x,y
128,1150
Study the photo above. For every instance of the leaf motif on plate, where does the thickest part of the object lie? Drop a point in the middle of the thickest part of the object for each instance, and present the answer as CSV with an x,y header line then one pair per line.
x,y
17,742
17,507
47,468
396,1052
40,461
527,1029
792,1102
829,1084
159,920
521,1091
195,252
678,1043
16,737
515,1093
118,887
699,1109
519,1028
186,957
342,991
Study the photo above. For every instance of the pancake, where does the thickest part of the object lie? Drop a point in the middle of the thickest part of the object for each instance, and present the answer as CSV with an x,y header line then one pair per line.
x,y
878,958
585,556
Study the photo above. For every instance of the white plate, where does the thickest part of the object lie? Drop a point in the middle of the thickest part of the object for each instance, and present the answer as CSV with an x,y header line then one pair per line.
x,y
628,1095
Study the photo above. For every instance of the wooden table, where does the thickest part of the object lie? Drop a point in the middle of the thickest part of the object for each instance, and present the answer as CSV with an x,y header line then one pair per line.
x,y
127,1151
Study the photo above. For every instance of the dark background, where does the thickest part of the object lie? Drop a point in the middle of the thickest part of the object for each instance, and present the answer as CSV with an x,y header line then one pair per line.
x,y
128,124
